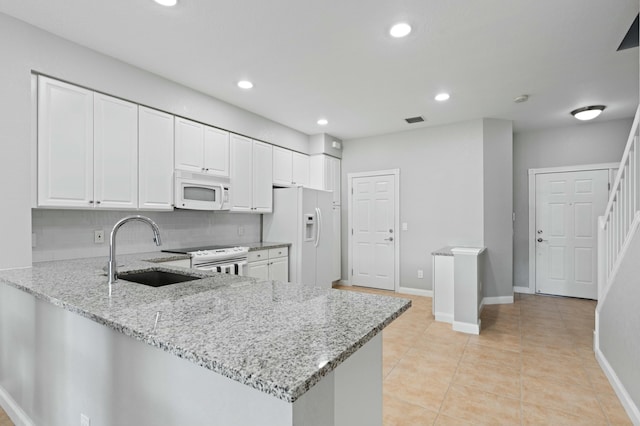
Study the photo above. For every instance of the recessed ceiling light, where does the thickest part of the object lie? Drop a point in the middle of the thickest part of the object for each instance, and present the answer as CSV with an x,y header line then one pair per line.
x,y
401,29
245,84
588,113
167,3
440,97
323,122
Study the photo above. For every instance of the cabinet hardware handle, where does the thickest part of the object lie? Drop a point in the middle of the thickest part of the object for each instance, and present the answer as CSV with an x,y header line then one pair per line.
x,y
90,201
97,202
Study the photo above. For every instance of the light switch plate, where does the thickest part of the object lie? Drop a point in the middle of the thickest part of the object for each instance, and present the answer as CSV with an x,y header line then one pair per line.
x,y
405,226
98,236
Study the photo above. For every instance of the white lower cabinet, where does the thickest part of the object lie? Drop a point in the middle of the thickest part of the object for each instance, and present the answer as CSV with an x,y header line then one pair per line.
x,y
269,264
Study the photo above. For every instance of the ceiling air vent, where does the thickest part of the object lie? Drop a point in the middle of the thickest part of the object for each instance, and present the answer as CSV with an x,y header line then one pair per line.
x,y
412,120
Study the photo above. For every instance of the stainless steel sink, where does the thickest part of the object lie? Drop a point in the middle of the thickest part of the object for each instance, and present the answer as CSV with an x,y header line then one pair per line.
x,y
156,278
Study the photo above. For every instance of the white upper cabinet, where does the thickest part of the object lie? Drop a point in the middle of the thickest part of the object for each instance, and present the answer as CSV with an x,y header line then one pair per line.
x,y
65,145
115,153
300,169
251,175
201,148
87,148
290,168
216,151
262,175
325,174
282,170
155,144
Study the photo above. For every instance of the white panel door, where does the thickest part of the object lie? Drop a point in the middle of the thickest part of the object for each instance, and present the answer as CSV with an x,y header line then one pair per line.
x,y
262,177
216,152
282,166
241,191
373,232
115,153
189,145
65,145
155,145
567,208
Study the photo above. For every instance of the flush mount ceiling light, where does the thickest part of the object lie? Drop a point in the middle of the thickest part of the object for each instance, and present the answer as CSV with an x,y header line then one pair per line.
x,y
441,97
167,3
588,113
245,84
323,122
399,30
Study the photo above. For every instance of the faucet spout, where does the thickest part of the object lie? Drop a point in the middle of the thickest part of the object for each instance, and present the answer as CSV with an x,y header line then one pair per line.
x,y
112,267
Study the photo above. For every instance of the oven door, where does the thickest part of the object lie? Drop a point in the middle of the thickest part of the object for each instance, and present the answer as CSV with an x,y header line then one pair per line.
x,y
237,267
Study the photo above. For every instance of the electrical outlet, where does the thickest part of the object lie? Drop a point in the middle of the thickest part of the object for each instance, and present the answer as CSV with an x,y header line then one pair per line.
x,y
98,236
84,419
420,273
240,230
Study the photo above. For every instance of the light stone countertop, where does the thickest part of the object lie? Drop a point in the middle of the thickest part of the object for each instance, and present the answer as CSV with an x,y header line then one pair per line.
x,y
444,251
269,335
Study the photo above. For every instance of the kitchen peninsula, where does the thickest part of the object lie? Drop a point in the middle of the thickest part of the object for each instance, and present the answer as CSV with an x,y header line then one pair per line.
x,y
218,350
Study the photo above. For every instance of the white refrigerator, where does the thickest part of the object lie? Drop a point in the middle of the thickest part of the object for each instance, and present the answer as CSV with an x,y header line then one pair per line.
x,y
303,217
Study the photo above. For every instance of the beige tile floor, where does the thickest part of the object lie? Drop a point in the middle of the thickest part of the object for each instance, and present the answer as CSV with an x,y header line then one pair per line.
x,y
532,364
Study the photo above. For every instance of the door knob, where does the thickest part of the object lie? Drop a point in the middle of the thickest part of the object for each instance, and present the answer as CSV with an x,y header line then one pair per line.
x,y
391,231
541,240
389,239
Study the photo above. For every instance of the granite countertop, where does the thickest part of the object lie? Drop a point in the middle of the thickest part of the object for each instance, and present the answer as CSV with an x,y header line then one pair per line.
x,y
264,245
444,251
280,338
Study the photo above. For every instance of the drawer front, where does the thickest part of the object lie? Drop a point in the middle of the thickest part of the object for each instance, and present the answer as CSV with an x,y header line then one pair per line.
x,y
278,252
254,256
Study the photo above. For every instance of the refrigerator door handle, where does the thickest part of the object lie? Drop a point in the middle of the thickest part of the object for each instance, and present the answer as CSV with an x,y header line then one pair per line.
x,y
318,226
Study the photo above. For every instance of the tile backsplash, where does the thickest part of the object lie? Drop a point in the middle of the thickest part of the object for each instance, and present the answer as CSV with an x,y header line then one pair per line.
x,y
69,234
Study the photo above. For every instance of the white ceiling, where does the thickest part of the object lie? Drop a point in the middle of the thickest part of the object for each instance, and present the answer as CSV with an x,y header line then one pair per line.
x,y
334,58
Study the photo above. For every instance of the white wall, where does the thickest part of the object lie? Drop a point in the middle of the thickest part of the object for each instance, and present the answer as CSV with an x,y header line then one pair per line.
x,y
25,49
68,234
441,190
498,206
582,143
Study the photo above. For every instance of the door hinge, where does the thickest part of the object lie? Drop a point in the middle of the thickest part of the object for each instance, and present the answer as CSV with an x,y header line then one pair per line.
x,y
351,271
351,231
352,191
609,187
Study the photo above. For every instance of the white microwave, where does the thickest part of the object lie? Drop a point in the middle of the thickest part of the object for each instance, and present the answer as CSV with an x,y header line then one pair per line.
x,y
197,191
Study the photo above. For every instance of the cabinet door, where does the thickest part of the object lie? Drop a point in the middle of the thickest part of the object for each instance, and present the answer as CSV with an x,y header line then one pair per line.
x,y
259,269
336,263
115,153
334,178
65,145
262,177
241,191
282,165
189,145
155,145
279,269
300,169
216,152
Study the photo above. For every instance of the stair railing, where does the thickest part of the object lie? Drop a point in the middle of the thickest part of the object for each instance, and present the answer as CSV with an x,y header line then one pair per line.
x,y
621,216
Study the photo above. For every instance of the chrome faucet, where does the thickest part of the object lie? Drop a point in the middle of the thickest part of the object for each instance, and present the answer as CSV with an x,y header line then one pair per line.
x,y
112,267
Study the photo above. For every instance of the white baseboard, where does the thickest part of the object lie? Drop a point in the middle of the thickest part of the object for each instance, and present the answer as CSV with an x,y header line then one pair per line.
x,y
444,317
625,399
466,327
13,410
523,290
500,300
415,291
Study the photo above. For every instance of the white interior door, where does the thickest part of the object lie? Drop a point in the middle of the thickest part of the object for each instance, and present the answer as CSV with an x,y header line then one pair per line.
x,y
374,239
567,208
